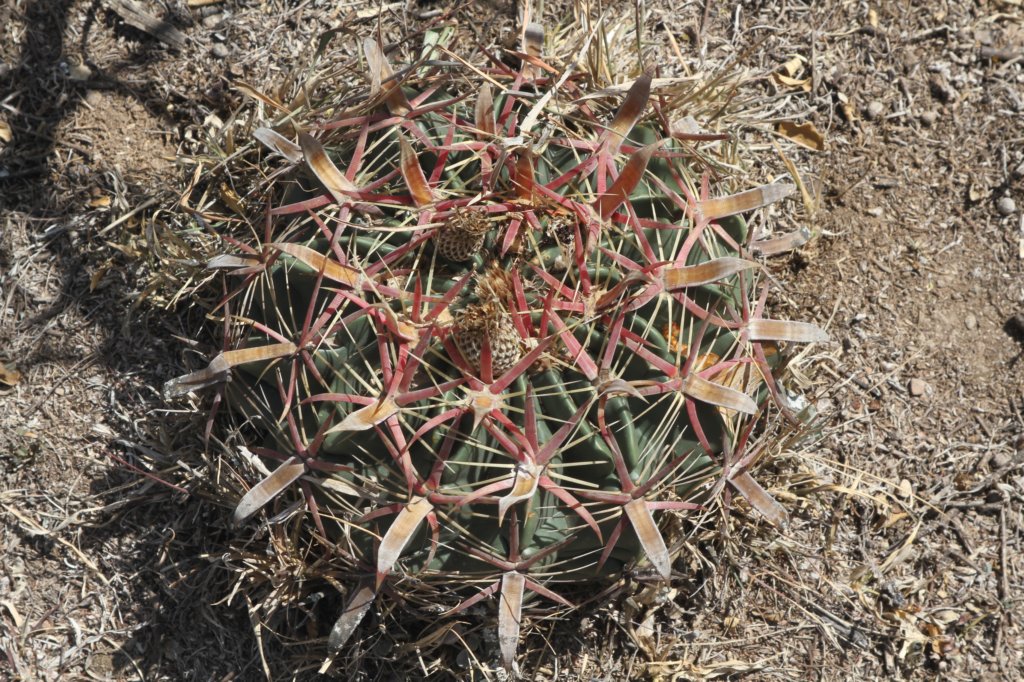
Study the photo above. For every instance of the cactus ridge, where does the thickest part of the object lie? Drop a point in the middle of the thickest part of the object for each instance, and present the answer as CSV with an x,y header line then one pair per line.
x,y
498,338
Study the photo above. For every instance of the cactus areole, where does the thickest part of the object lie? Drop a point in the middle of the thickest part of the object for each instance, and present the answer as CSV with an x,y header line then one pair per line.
x,y
492,331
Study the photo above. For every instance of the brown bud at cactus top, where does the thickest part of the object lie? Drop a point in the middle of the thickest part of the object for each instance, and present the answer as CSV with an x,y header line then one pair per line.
x,y
495,284
462,235
488,320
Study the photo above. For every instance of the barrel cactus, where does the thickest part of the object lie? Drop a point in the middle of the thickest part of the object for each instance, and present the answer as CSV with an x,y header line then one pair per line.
x,y
492,326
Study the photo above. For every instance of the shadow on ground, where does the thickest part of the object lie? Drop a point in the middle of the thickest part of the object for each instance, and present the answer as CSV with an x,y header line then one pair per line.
x,y
89,358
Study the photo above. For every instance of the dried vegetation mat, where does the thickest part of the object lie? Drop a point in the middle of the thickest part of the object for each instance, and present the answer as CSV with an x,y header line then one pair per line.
x,y
901,557
365,386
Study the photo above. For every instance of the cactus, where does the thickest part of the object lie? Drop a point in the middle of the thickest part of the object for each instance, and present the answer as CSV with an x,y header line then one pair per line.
x,y
492,330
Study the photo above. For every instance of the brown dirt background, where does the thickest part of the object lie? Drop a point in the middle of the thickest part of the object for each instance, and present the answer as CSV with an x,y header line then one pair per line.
x,y
904,557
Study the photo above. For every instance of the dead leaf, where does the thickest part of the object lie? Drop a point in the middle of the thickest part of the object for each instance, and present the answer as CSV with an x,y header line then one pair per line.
x,y
732,623
810,205
730,668
848,110
252,92
79,72
645,635
9,375
787,75
804,134
230,197
6,134
796,83
793,65
976,192
97,276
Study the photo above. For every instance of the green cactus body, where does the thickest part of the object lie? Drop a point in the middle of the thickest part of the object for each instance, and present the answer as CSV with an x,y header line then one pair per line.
x,y
511,349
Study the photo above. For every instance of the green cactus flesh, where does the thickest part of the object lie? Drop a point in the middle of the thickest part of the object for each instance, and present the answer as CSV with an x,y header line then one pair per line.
x,y
495,352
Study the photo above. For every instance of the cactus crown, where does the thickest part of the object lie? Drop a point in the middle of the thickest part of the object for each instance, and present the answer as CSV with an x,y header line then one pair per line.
x,y
492,329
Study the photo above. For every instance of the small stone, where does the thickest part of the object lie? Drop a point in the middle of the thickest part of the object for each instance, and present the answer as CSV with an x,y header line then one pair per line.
x,y
213,21
906,488
873,110
875,212
220,51
917,387
929,118
1002,459
1006,206
79,72
942,90
970,321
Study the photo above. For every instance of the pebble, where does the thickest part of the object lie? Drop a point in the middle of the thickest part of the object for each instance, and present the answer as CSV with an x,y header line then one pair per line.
x,y
220,50
917,387
970,321
1002,459
79,72
1006,206
213,21
942,90
875,212
906,488
873,110
929,118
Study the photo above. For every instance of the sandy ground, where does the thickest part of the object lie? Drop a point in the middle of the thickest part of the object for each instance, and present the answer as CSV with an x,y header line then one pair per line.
x,y
904,557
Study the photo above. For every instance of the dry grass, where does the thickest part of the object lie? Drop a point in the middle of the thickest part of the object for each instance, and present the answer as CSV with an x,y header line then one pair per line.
x,y
902,558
